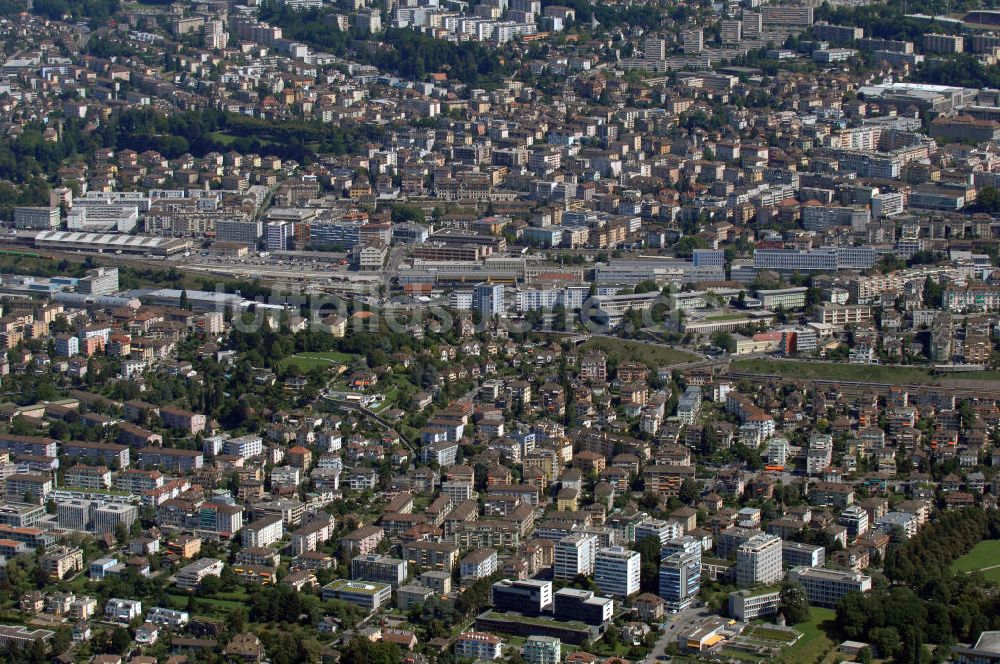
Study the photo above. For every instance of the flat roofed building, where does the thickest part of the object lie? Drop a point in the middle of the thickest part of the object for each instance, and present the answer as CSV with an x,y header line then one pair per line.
x,y
985,651
826,587
368,595
479,645
758,561
797,554
542,650
616,571
530,596
680,579
190,577
380,569
573,604
19,635
749,605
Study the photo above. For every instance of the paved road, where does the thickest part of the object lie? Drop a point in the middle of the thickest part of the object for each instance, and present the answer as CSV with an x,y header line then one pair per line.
x,y
674,625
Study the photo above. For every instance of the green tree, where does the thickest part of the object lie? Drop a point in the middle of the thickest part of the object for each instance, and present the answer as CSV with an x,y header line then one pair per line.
x,y
689,492
647,286
725,341
794,603
363,651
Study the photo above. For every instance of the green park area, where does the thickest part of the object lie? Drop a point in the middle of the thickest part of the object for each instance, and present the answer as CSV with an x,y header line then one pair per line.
x,y
228,139
815,642
308,361
765,633
620,350
723,317
983,558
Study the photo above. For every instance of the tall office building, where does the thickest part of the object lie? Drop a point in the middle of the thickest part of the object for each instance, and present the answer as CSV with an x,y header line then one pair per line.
x,y
693,40
753,24
575,554
680,580
216,35
731,32
758,561
656,49
278,235
75,514
108,517
487,299
240,232
616,571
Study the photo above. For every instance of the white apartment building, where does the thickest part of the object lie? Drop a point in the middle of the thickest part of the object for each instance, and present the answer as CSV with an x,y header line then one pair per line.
x,y
758,561
479,564
479,645
844,314
245,447
820,454
575,554
616,571
122,610
888,204
660,529
904,523
263,532
159,615
190,576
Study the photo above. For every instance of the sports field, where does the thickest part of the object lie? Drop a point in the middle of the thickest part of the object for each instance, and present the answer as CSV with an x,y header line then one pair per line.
x,y
309,361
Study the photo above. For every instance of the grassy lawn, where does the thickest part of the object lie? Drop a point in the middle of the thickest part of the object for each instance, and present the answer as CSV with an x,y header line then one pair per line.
x,y
227,139
984,554
207,606
975,375
992,574
720,317
309,361
834,371
621,350
816,369
391,396
770,634
740,655
814,641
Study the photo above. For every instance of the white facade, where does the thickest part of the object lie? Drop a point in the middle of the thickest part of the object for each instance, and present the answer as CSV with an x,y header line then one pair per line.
x,y
758,561
122,610
575,554
616,571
